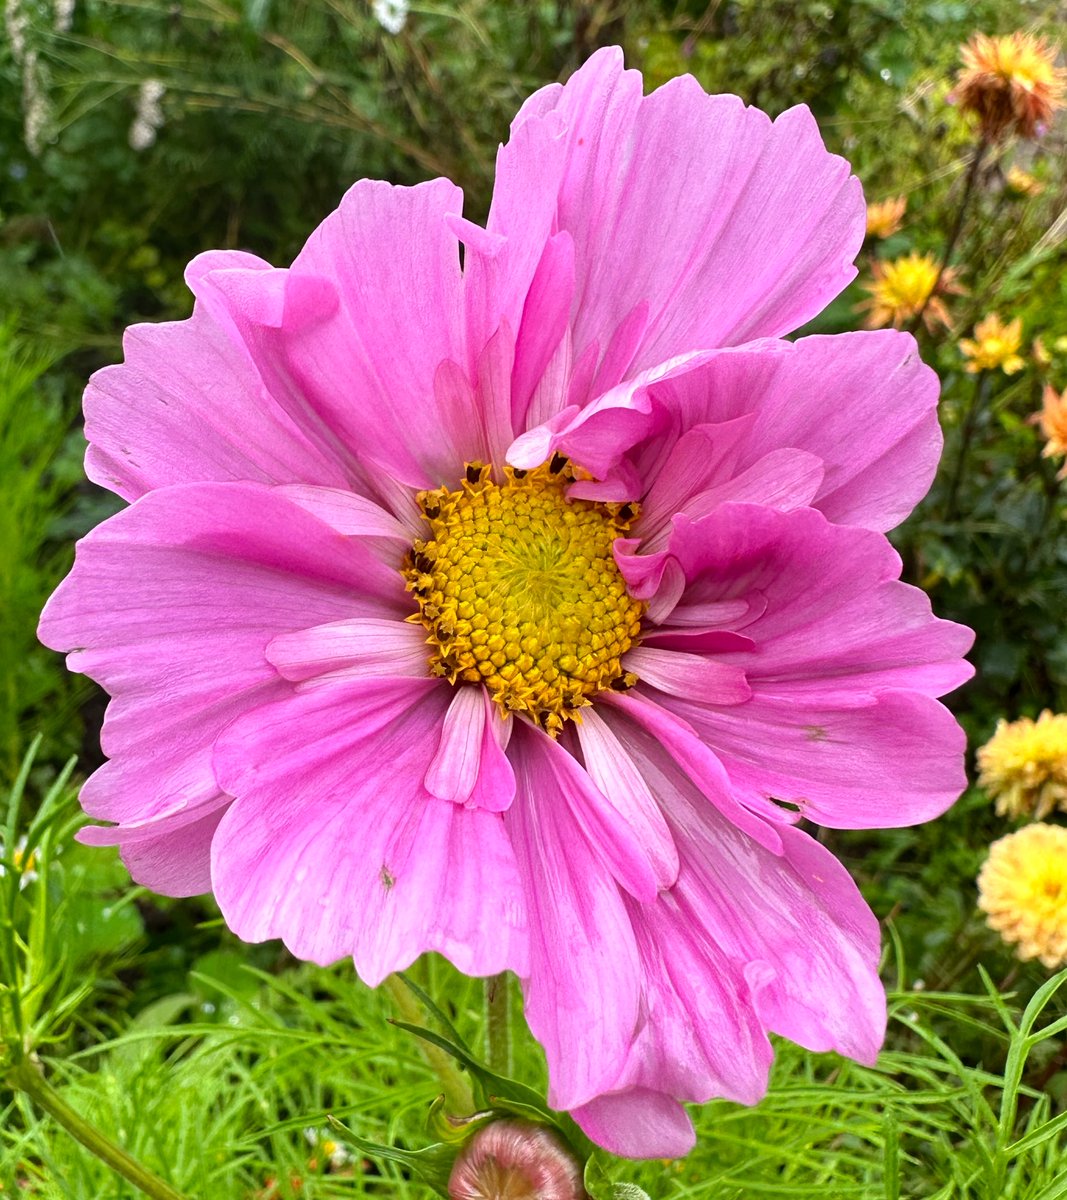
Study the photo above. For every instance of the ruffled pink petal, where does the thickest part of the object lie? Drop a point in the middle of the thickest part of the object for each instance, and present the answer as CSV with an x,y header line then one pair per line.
x,y
582,986
863,404
726,226
759,939
358,330
187,406
841,722
334,844
170,606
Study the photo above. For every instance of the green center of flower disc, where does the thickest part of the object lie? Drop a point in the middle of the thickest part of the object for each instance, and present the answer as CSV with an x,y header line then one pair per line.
x,y
519,590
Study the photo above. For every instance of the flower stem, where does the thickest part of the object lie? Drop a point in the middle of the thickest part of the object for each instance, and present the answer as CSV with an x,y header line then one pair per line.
x,y
957,227
458,1098
28,1078
498,1022
981,388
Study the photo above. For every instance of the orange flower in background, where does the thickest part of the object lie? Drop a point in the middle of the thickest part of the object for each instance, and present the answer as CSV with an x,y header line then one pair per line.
x,y
905,287
1053,421
884,217
1022,183
1011,83
994,345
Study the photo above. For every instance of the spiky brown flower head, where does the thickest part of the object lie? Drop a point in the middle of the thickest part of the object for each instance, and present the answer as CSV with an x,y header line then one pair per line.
x,y
906,286
515,1160
1011,83
994,346
884,217
1022,889
1052,420
1022,183
1023,766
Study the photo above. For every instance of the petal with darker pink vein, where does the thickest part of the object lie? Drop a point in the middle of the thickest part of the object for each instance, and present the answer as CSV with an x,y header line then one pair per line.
x,y
727,226
582,985
334,844
170,606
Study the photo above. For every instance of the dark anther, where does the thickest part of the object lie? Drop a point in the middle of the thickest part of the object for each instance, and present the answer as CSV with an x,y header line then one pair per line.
x,y
626,512
431,508
519,472
474,472
559,461
621,683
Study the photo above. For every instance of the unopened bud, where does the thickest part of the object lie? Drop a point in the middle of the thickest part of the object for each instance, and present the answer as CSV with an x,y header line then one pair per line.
x,y
515,1160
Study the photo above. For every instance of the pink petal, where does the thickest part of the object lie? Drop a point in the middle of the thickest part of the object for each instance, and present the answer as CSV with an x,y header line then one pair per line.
x,y
727,226
831,607
862,403
335,846
351,649
176,863
356,516
613,772
637,1123
188,406
334,335
759,939
582,986
695,676
170,606
470,766
841,721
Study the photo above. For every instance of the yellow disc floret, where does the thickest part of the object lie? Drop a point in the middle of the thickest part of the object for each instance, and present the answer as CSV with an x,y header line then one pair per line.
x,y
1023,892
519,590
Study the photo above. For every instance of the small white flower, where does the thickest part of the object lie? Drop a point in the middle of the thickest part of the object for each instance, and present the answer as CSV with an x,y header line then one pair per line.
x,y
335,1151
63,15
149,116
23,863
391,15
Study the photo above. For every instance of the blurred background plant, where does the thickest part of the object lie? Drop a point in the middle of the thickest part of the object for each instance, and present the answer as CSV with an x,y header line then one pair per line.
x,y
136,133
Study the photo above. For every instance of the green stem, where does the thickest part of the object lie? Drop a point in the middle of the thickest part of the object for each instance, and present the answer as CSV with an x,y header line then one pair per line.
x,y
27,1077
957,228
981,390
498,1023
458,1098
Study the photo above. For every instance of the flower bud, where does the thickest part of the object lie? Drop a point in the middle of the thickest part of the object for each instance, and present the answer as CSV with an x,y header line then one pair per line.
x,y
515,1160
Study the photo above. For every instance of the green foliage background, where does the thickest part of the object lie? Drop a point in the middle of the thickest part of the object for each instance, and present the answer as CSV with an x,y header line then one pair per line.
x,y
208,1058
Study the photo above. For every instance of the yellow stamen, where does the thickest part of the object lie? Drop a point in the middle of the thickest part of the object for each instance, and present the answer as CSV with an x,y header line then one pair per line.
x,y
519,590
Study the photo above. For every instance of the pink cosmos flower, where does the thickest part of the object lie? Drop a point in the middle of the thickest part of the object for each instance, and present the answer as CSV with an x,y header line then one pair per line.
x,y
517,609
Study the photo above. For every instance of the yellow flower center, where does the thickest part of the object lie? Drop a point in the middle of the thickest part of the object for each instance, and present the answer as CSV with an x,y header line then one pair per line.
x,y
519,590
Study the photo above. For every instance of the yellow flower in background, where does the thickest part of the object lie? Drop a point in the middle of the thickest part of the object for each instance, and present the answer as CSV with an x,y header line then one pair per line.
x,y
1053,421
884,217
1022,183
994,345
1011,83
1023,766
904,287
1022,889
